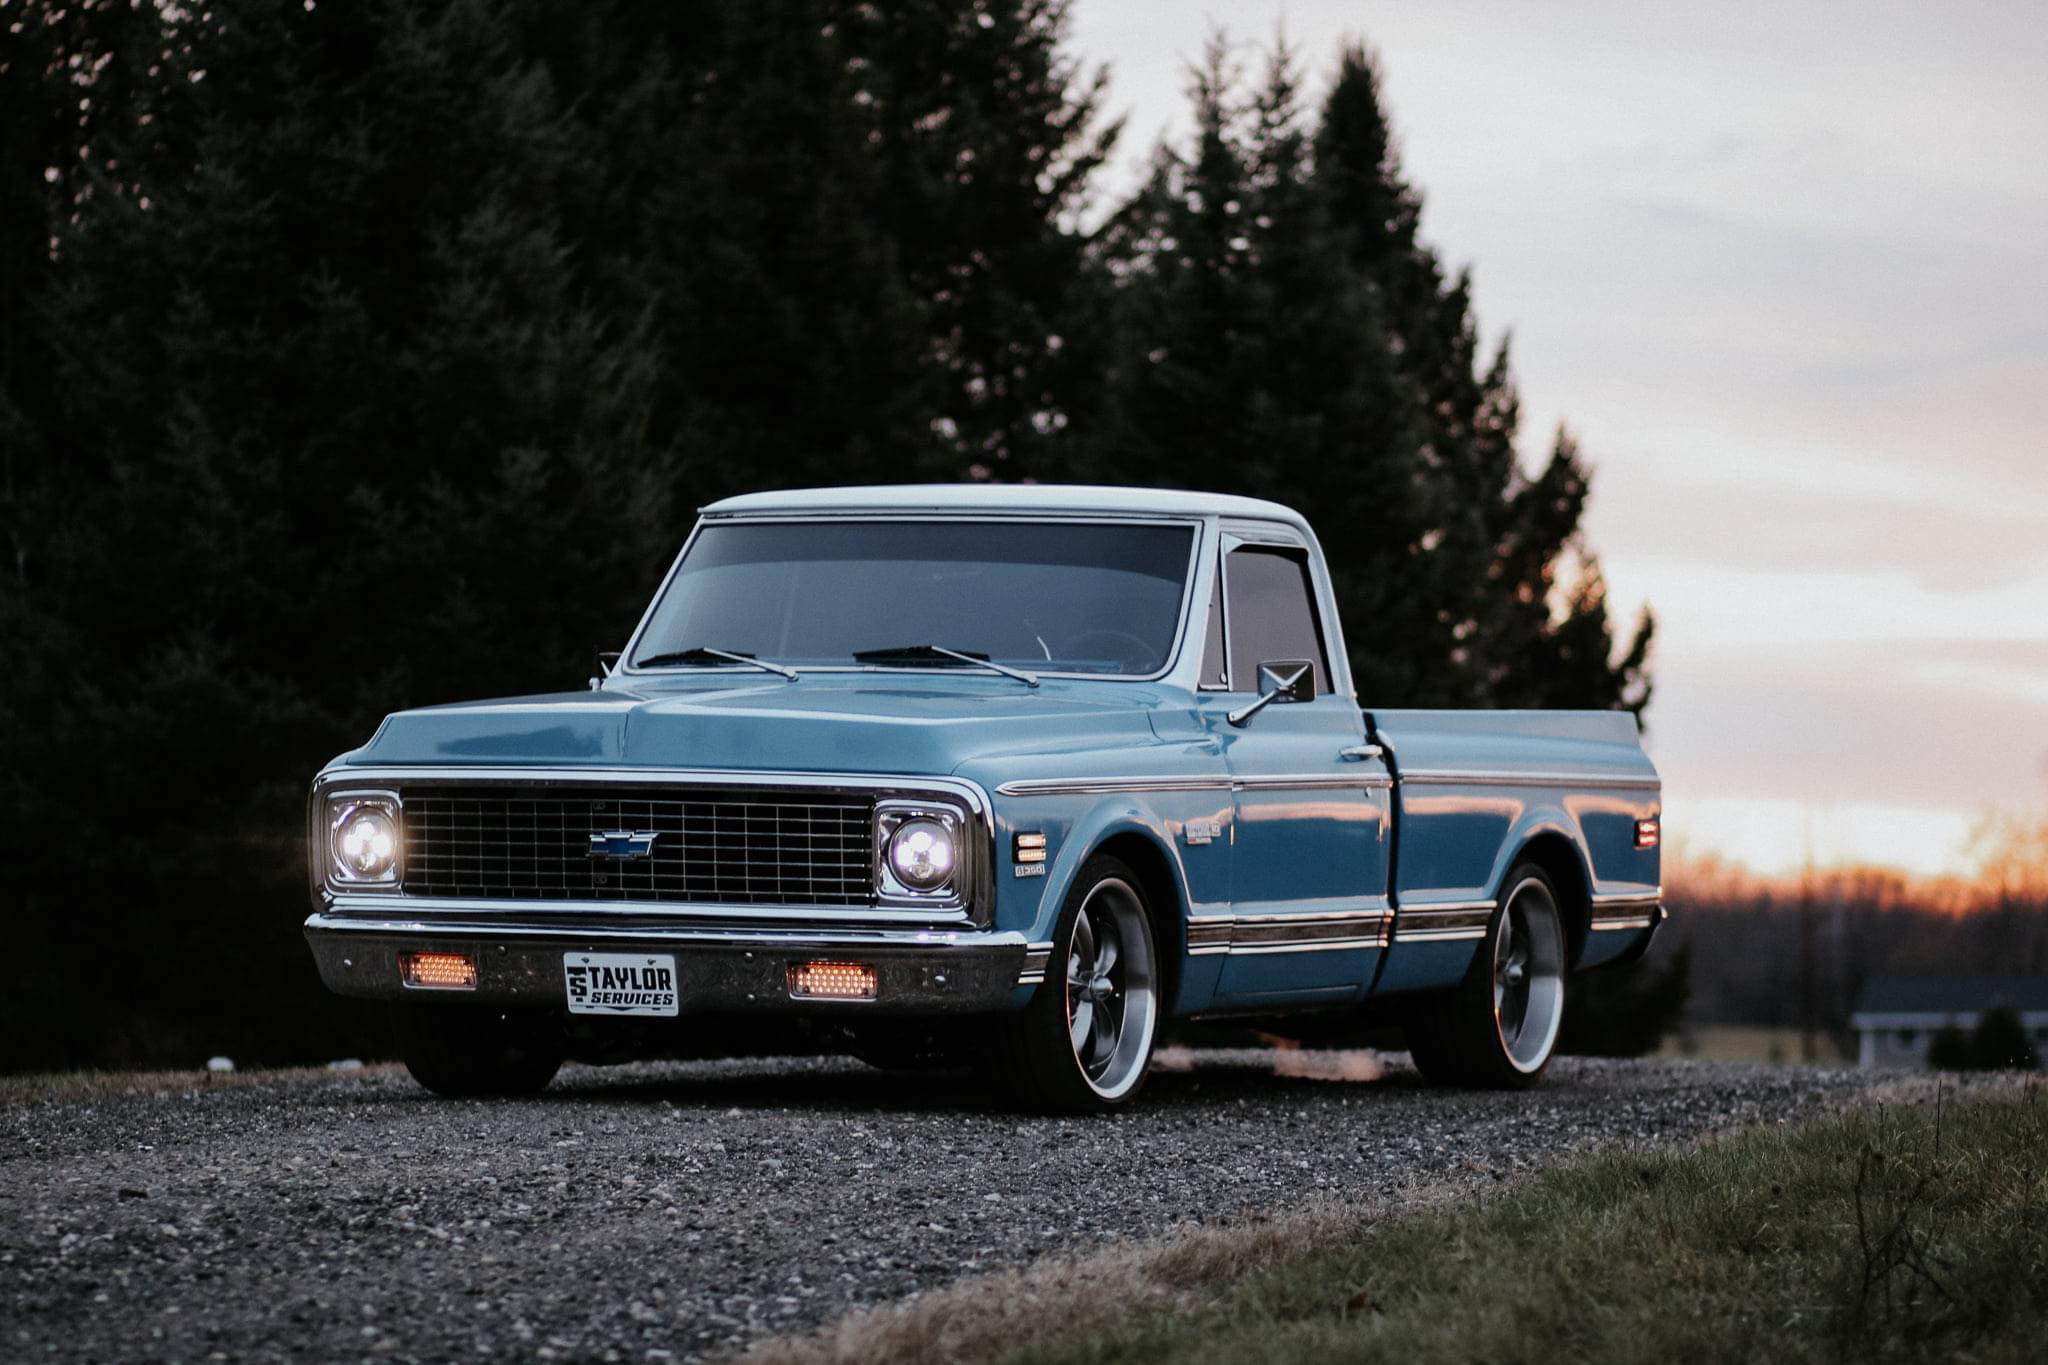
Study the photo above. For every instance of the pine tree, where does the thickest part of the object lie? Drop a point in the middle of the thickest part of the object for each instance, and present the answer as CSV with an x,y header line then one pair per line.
x,y
1246,360
337,432
743,207
1505,632
988,136
388,347
1281,330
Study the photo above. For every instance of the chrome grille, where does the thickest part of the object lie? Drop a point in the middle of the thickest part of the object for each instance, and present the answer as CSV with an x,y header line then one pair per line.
x,y
730,846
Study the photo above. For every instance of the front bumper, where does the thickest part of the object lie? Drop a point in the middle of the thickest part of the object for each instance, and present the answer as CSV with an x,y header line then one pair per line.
x,y
718,969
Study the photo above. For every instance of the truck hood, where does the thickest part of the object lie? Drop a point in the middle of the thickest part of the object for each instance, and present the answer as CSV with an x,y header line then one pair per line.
x,y
914,724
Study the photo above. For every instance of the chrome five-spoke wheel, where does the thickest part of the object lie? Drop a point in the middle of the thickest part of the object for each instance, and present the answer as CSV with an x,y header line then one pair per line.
x,y
1109,988
1528,974
1499,1026
1084,1042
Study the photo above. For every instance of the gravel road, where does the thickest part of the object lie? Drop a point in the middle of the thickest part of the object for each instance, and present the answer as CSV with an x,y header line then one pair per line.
x,y
673,1211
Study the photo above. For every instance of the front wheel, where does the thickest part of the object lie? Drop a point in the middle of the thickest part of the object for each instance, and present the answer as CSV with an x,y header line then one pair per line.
x,y
1084,1043
1497,1028
467,1050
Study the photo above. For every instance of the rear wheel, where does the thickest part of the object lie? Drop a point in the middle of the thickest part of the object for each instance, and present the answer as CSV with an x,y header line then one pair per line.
x,y
465,1050
1084,1043
1498,1026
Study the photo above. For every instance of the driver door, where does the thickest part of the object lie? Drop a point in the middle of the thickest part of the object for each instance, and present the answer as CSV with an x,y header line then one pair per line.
x,y
1309,862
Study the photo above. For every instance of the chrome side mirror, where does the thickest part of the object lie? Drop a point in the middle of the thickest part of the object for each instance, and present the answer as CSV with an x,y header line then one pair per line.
x,y
1279,680
607,660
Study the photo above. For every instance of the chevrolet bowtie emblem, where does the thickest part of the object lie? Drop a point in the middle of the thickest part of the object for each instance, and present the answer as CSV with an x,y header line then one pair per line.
x,y
622,844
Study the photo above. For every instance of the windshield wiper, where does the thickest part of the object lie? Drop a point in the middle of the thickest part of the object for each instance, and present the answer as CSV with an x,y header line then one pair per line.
x,y
704,655
933,653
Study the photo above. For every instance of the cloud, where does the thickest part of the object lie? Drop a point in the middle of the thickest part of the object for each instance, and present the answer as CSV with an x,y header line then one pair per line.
x,y
1759,527
1949,726
1780,268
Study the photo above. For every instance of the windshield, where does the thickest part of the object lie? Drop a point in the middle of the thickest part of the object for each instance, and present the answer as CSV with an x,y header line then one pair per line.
x,y
1050,597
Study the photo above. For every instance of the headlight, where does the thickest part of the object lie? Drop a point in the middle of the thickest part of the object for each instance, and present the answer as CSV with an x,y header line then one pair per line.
x,y
919,849
362,840
921,854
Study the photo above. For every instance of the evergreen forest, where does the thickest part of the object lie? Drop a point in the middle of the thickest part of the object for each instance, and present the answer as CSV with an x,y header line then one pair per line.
x,y
365,354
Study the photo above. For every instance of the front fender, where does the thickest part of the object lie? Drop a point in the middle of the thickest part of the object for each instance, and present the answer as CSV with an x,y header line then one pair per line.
x,y
1076,827
1089,830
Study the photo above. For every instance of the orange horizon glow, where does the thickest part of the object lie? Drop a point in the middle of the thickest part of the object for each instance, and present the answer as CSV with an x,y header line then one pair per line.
x,y
2009,865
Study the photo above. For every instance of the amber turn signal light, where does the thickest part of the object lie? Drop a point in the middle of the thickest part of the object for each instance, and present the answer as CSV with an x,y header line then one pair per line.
x,y
1646,833
832,980
438,971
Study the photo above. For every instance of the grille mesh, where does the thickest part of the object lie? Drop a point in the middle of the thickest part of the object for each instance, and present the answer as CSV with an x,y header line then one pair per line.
x,y
734,847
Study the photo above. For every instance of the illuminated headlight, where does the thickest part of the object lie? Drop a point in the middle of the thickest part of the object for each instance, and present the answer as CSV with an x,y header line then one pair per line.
x,y
919,848
921,854
362,840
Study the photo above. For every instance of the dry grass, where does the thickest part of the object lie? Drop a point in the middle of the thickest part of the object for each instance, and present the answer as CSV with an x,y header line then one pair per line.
x,y
1079,1295
77,1086
1401,1276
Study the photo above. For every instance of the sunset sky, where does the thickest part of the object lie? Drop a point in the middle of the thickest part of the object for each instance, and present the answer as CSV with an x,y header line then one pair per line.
x,y
1784,270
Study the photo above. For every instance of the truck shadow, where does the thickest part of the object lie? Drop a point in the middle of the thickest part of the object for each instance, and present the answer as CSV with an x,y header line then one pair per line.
x,y
1184,1079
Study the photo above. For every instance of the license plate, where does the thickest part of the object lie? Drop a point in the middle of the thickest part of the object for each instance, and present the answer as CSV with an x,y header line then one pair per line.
x,y
620,983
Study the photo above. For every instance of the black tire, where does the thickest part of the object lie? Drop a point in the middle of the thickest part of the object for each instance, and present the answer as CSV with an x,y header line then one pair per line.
x,y
1476,1034
472,1050
1104,981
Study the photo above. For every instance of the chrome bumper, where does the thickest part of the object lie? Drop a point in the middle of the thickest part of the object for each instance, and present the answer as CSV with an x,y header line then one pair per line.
x,y
722,969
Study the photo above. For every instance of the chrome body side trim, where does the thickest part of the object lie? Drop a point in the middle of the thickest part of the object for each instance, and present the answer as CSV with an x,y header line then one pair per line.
x,y
1209,934
1321,932
1450,921
1443,921
1430,777
1287,782
1091,786
1626,911
1085,786
1447,907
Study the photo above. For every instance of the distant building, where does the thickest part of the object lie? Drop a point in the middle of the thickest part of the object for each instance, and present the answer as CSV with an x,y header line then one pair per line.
x,y
1897,1016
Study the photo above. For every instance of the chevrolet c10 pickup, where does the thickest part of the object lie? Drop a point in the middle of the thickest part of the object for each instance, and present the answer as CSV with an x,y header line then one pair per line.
x,y
1010,776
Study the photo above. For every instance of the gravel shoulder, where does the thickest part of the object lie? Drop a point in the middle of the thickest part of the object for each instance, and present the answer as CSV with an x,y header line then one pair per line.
x,y
686,1209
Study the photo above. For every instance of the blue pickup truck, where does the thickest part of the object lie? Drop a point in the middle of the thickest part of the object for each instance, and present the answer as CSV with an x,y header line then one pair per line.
x,y
1011,775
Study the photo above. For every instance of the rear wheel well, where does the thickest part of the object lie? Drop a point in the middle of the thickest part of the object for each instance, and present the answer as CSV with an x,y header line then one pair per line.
x,y
1162,902
1560,862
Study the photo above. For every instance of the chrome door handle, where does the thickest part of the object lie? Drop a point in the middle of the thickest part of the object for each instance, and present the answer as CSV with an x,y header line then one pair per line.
x,y
1360,751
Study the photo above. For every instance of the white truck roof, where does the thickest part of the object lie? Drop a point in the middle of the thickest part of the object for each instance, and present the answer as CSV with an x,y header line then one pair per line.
x,y
1010,499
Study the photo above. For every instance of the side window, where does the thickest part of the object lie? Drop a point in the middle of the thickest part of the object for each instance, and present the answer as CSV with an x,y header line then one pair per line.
x,y
1272,614
1214,671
